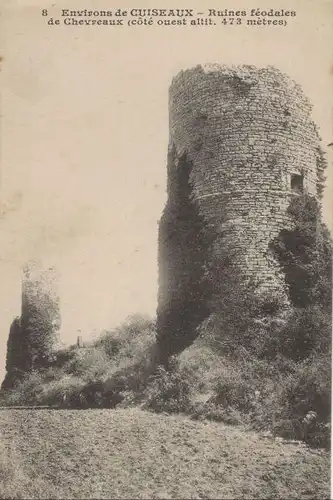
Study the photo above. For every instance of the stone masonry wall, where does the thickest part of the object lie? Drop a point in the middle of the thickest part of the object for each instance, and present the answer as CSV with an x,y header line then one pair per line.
x,y
246,132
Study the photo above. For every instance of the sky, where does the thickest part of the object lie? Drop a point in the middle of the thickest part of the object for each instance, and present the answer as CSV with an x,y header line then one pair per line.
x,y
84,135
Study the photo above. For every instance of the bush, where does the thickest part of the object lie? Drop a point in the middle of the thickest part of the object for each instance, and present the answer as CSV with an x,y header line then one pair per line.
x,y
302,408
62,356
247,385
94,376
278,395
203,361
131,336
306,331
89,363
243,315
169,390
309,388
66,391
27,392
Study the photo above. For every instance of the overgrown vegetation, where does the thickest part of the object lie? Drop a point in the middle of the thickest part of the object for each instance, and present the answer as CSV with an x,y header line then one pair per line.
x,y
33,335
184,243
305,255
250,366
16,348
40,319
102,374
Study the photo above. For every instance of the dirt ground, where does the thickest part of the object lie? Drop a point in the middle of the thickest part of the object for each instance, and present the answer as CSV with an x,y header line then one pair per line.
x,y
135,454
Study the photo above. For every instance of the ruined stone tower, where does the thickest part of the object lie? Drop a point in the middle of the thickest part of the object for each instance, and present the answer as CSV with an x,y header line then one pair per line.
x,y
242,143
40,315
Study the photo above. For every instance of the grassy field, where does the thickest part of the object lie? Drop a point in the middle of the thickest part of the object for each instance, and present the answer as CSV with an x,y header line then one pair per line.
x,y
134,454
